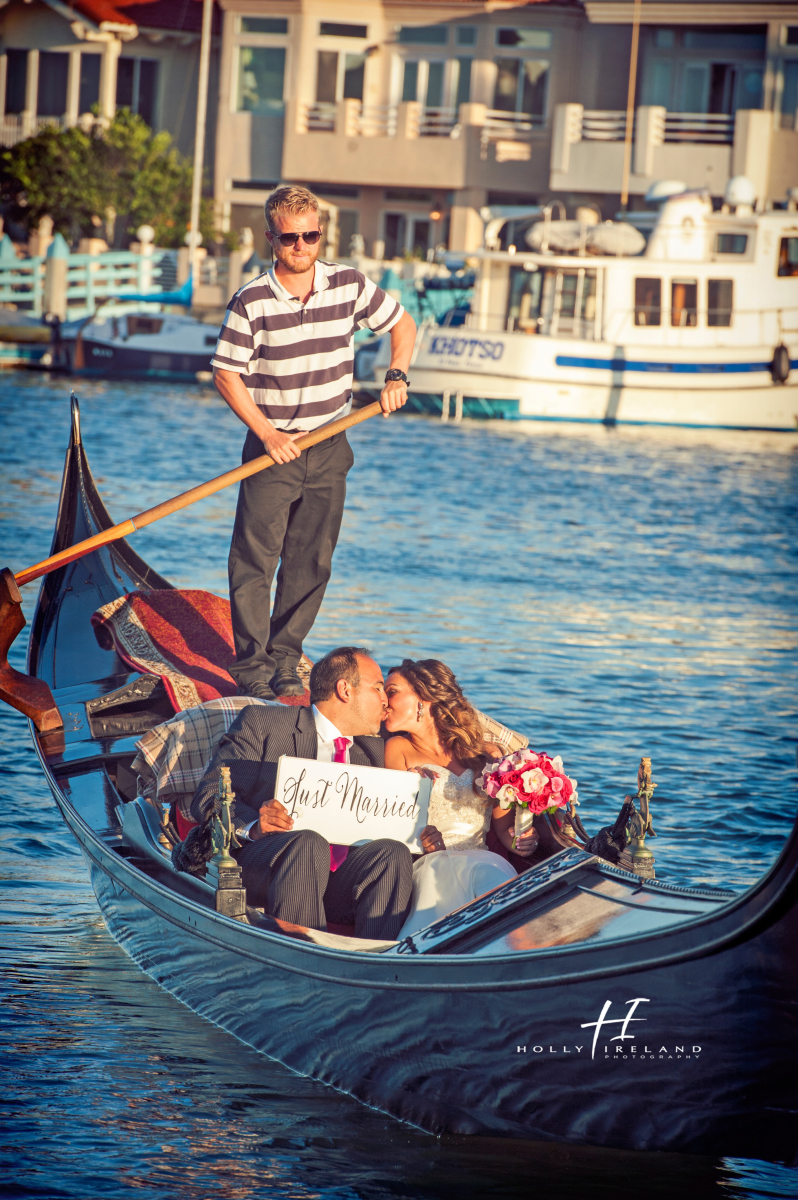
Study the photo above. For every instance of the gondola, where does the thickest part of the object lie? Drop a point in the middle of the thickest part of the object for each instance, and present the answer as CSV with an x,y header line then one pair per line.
x,y
576,1003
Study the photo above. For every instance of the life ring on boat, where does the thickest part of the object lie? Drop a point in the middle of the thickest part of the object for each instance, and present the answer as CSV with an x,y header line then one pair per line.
x,y
780,364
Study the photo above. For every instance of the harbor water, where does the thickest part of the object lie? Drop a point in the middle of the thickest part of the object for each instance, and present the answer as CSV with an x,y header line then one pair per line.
x,y
610,592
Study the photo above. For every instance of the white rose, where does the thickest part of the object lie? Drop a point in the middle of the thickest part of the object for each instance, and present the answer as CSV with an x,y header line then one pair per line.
x,y
534,781
557,764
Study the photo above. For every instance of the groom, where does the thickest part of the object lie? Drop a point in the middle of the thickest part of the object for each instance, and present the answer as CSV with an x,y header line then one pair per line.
x,y
297,876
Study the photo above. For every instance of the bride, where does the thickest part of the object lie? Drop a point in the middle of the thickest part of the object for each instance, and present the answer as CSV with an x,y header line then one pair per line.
x,y
438,734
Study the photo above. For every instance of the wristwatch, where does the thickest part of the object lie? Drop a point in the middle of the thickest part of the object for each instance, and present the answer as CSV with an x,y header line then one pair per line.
x,y
395,373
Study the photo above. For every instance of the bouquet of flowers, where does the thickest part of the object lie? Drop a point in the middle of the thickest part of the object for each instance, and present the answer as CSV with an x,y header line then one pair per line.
x,y
532,783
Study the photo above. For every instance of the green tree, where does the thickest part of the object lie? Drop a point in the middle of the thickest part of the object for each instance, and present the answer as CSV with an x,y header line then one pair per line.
x,y
76,176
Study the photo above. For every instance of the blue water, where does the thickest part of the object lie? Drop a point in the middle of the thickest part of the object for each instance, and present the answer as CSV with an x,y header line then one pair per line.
x,y
610,592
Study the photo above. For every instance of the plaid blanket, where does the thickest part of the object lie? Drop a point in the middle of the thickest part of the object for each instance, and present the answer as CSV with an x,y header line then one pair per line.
x,y
173,757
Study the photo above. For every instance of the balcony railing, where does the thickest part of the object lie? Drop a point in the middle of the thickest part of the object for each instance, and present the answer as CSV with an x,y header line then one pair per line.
x,y
508,124
377,120
15,127
437,122
699,127
320,118
603,125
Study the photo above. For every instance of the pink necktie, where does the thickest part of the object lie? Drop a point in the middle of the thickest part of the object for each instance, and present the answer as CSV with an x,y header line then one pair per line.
x,y
338,853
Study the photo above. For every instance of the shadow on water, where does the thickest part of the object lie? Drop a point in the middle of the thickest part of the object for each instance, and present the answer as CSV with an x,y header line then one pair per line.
x,y
610,592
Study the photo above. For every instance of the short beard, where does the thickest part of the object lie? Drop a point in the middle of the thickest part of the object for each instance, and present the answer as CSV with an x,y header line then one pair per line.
x,y
295,270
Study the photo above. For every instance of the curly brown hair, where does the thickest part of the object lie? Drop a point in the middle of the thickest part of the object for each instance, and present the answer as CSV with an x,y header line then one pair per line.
x,y
456,720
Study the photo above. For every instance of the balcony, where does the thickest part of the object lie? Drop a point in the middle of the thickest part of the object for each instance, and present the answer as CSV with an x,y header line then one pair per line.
x,y
392,145
701,149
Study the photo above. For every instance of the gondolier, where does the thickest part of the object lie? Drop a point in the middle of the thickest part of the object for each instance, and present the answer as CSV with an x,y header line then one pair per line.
x,y
284,363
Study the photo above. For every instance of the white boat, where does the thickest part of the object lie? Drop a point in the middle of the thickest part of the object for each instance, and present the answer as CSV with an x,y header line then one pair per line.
x,y
696,326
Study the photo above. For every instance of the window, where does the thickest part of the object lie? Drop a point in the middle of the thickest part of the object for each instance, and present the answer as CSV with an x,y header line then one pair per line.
x,y
326,76
51,97
329,87
788,256
791,35
264,25
665,39
725,39
89,81
16,80
720,296
684,303
521,85
731,243
435,85
524,39
423,35
348,220
395,234
648,302
135,86
336,29
789,95
463,94
261,71
417,195
523,309
410,83
466,35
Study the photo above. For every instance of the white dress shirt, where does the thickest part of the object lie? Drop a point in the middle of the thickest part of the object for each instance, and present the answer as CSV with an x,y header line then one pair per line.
x,y
326,733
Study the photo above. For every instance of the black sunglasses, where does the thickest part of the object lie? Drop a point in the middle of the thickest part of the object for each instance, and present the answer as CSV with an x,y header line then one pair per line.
x,y
290,239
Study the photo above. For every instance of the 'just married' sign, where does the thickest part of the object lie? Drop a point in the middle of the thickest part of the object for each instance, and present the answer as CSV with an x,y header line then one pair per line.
x,y
349,804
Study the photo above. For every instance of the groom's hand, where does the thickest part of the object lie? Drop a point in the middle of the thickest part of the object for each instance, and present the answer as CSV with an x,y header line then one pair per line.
x,y
273,818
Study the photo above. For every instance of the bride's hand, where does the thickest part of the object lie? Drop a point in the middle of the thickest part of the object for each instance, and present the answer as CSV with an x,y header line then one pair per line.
x,y
431,839
526,843
426,773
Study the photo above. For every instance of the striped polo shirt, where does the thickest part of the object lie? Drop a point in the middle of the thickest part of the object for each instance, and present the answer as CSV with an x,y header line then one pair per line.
x,y
297,359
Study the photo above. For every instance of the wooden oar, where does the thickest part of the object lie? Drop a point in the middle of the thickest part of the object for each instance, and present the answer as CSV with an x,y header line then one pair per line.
x,y
190,497
32,696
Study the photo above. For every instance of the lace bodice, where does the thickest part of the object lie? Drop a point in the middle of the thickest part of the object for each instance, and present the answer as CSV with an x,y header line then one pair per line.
x,y
462,815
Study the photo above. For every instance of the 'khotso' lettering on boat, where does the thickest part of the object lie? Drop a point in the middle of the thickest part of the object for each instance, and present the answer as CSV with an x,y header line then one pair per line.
x,y
467,347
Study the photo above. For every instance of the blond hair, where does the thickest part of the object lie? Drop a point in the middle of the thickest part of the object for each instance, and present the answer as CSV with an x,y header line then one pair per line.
x,y
290,199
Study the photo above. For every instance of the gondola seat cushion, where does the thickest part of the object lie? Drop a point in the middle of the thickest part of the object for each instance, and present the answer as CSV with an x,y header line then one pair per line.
x,y
184,636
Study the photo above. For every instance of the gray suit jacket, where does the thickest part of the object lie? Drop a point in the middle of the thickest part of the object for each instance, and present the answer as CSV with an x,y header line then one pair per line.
x,y
251,747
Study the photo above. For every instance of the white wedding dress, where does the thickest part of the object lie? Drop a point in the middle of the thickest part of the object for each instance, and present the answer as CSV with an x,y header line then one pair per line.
x,y
447,879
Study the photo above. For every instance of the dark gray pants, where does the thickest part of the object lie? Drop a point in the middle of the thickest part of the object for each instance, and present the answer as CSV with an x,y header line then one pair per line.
x,y
289,875
290,514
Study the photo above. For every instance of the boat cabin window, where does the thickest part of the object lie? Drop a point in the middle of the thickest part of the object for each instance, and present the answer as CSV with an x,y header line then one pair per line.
x,y
720,301
731,243
138,324
788,256
684,303
648,301
557,301
523,312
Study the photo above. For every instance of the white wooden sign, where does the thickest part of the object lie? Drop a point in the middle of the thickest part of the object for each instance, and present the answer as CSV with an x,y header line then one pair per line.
x,y
349,804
